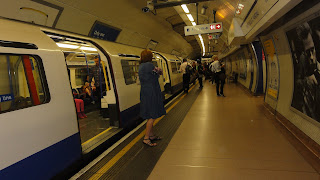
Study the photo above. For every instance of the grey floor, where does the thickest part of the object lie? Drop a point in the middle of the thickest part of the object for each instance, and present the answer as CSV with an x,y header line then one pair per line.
x,y
230,138
92,125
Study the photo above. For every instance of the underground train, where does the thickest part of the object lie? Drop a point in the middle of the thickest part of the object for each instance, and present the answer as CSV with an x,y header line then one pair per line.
x,y
40,69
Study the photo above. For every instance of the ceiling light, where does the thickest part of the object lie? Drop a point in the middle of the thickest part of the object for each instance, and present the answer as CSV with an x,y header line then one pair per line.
x,y
190,17
193,24
185,8
88,49
203,47
62,45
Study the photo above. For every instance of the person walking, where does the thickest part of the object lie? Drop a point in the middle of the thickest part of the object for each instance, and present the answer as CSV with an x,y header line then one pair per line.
x,y
219,76
185,68
151,99
200,73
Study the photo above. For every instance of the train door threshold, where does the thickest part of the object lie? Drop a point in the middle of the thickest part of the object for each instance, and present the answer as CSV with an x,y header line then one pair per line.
x,y
99,139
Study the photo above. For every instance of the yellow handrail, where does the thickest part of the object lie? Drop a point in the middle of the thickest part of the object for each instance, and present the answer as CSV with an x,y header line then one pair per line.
x,y
105,75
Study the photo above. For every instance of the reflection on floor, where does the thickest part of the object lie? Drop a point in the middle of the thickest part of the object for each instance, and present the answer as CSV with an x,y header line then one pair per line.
x,y
93,125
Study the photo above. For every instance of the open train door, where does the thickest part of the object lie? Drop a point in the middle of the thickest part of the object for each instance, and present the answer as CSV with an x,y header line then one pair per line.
x,y
91,89
166,74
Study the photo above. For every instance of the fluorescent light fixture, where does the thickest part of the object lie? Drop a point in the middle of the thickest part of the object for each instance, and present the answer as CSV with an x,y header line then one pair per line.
x,y
190,17
88,48
62,45
193,23
185,8
202,43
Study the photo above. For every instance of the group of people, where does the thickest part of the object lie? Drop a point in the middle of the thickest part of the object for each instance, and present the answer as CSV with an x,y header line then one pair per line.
x,y
151,100
89,92
215,71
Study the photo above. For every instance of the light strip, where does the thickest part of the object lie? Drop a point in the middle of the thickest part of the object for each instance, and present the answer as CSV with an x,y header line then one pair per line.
x,y
88,48
185,8
190,17
202,43
67,46
193,23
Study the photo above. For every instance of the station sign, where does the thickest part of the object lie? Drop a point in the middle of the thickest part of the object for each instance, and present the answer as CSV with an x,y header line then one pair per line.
x,y
6,97
103,31
203,29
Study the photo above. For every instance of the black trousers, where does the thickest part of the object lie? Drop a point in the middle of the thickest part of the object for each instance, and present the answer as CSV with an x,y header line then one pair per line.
x,y
219,83
186,80
200,80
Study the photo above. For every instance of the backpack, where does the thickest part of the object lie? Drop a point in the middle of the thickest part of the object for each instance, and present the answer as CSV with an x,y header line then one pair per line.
x,y
188,69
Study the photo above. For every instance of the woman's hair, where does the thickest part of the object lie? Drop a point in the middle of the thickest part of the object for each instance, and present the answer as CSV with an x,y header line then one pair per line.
x,y
146,56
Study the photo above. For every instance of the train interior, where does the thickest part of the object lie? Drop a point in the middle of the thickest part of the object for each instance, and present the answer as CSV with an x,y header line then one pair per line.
x,y
16,79
95,120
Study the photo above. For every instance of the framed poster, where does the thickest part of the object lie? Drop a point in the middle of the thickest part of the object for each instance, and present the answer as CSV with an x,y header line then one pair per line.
x,y
304,42
273,69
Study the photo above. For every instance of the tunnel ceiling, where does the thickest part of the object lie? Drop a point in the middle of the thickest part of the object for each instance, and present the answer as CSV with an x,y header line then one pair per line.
x,y
224,13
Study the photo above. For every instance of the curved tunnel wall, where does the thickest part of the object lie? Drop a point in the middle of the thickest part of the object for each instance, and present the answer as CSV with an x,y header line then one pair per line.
x,y
305,115
289,90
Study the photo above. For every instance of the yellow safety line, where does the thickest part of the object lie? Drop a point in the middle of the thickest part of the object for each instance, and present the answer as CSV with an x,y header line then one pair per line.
x,y
96,136
105,75
115,159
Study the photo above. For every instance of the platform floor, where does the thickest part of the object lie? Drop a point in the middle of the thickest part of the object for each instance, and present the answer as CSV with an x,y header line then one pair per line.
x,y
230,138
207,137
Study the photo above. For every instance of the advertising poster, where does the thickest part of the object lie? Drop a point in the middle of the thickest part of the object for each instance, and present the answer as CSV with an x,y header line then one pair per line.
x,y
228,66
304,41
273,67
242,65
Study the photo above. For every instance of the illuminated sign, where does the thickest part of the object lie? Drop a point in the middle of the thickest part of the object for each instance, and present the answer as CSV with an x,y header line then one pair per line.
x,y
203,29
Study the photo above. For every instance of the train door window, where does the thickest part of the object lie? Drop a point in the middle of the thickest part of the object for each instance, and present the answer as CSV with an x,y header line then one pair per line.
x,y
174,67
130,70
23,83
178,65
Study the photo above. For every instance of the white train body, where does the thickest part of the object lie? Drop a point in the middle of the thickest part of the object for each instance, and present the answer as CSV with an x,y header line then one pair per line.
x,y
40,141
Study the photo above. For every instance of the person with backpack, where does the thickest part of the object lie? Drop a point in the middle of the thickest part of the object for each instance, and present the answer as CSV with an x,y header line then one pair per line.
x,y
219,76
186,69
200,73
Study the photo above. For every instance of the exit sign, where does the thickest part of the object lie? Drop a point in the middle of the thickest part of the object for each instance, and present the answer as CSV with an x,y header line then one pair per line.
x,y
203,29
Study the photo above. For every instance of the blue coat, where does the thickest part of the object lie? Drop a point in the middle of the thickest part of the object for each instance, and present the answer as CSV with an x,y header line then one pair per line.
x,y
151,99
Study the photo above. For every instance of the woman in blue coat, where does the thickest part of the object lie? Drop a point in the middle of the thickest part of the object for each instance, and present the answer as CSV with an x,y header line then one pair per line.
x,y
151,100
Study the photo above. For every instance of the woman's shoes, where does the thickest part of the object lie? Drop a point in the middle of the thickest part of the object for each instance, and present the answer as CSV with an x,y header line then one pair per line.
x,y
80,116
84,115
149,142
155,138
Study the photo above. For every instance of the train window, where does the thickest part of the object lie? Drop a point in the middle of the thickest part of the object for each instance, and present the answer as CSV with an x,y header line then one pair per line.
x,y
130,70
178,65
155,63
174,67
23,83
81,76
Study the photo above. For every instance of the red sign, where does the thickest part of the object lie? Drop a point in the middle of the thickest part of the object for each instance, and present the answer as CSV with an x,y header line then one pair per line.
x,y
215,26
